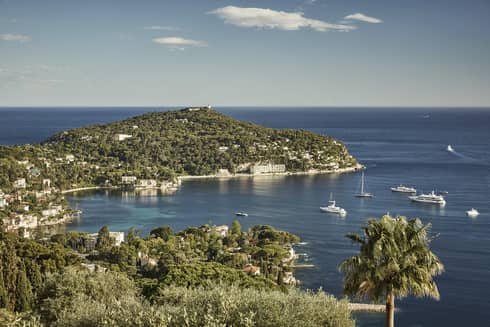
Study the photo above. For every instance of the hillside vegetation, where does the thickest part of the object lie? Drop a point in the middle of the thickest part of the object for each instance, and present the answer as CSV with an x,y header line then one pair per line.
x,y
197,142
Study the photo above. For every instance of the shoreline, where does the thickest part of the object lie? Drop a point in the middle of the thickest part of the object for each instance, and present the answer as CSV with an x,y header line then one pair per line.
x,y
229,176
84,189
298,173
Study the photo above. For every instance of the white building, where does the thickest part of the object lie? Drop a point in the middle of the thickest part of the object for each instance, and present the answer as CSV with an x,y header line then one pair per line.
x,y
122,137
20,183
20,221
128,179
147,183
52,211
118,237
70,157
46,183
267,168
222,230
3,201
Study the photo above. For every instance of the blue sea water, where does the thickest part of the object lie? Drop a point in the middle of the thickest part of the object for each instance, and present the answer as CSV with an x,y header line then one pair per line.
x,y
398,145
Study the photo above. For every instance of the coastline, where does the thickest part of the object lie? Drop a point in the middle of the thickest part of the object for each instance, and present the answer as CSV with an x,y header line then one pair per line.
x,y
298,173
83,189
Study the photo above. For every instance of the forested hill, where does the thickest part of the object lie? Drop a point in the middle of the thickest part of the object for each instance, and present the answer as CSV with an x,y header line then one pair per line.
x,y
157,147
198,141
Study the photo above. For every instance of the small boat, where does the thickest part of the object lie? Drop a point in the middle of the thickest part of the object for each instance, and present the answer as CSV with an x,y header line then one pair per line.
x,y
332,208
363,194
472,213
443,193
403,189
241,214
450,148
431,198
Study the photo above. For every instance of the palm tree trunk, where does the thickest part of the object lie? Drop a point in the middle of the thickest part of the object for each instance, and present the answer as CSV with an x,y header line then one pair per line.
x,y
390,310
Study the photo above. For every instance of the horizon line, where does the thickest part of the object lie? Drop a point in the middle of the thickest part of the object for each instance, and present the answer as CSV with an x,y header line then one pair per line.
x,y
245,106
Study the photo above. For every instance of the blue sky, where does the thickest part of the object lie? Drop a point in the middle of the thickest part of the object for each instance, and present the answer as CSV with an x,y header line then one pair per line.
x,y
245,53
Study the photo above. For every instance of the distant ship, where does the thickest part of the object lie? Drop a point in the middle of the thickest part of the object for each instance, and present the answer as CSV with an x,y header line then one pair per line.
x,y
450,148
403,189
332,208
431,198
241,214
363,194
472,213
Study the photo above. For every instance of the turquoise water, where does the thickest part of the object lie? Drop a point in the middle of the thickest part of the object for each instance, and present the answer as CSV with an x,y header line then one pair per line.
x,y
397,146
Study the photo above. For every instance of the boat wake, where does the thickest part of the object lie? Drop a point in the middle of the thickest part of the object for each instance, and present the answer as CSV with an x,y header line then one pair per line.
x,y
466,158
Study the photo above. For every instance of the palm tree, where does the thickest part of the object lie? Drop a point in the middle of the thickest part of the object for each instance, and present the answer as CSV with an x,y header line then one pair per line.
x,y
394,261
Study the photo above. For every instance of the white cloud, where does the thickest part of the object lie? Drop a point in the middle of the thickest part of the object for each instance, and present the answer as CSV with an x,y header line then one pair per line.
x,y
179,43
160,28
15,37
363,18
268,18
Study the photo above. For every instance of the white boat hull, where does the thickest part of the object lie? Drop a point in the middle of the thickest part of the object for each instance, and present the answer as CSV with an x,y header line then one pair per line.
x,y
337,210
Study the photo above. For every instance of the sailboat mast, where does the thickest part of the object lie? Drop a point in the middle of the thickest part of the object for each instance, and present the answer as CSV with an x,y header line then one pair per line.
x,y
362,183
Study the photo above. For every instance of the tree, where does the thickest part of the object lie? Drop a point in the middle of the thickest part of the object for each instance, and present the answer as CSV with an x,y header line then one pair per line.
x,y
103,239
9,261
236,228
132,236
23,291
3,292
394,261
163,232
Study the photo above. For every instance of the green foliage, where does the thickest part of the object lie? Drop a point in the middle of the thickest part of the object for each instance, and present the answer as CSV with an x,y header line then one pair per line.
x,y
236,228
163,232
3,292
394,257
231,305
199,273
164,145
81,298
23,290
394,261
23,266
104,240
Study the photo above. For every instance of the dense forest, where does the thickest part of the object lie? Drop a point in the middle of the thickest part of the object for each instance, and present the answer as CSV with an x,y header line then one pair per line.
x,y
195,277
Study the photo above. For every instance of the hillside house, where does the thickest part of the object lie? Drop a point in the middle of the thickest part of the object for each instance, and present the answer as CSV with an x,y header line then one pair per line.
x,y
52,211
20,183
147,183
3,201
122,137
128,179
267,168
222,230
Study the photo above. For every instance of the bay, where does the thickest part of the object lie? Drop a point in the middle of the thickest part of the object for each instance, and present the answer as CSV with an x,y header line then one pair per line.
x,y
398,145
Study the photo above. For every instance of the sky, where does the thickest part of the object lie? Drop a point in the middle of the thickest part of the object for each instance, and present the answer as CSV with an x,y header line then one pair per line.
x,y
245,53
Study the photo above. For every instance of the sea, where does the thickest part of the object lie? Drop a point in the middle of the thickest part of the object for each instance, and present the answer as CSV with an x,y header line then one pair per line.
x,y
397,145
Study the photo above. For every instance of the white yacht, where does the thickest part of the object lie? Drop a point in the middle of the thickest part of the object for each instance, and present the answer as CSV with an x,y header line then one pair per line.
x,y
428,198
362,193
403,189
472,213
332,208
450,148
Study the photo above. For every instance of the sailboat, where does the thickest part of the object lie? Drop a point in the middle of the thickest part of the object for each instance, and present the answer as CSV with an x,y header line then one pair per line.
x,y
363,194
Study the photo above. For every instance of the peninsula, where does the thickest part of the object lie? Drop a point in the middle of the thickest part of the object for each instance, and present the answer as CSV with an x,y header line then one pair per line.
x,y
153,150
